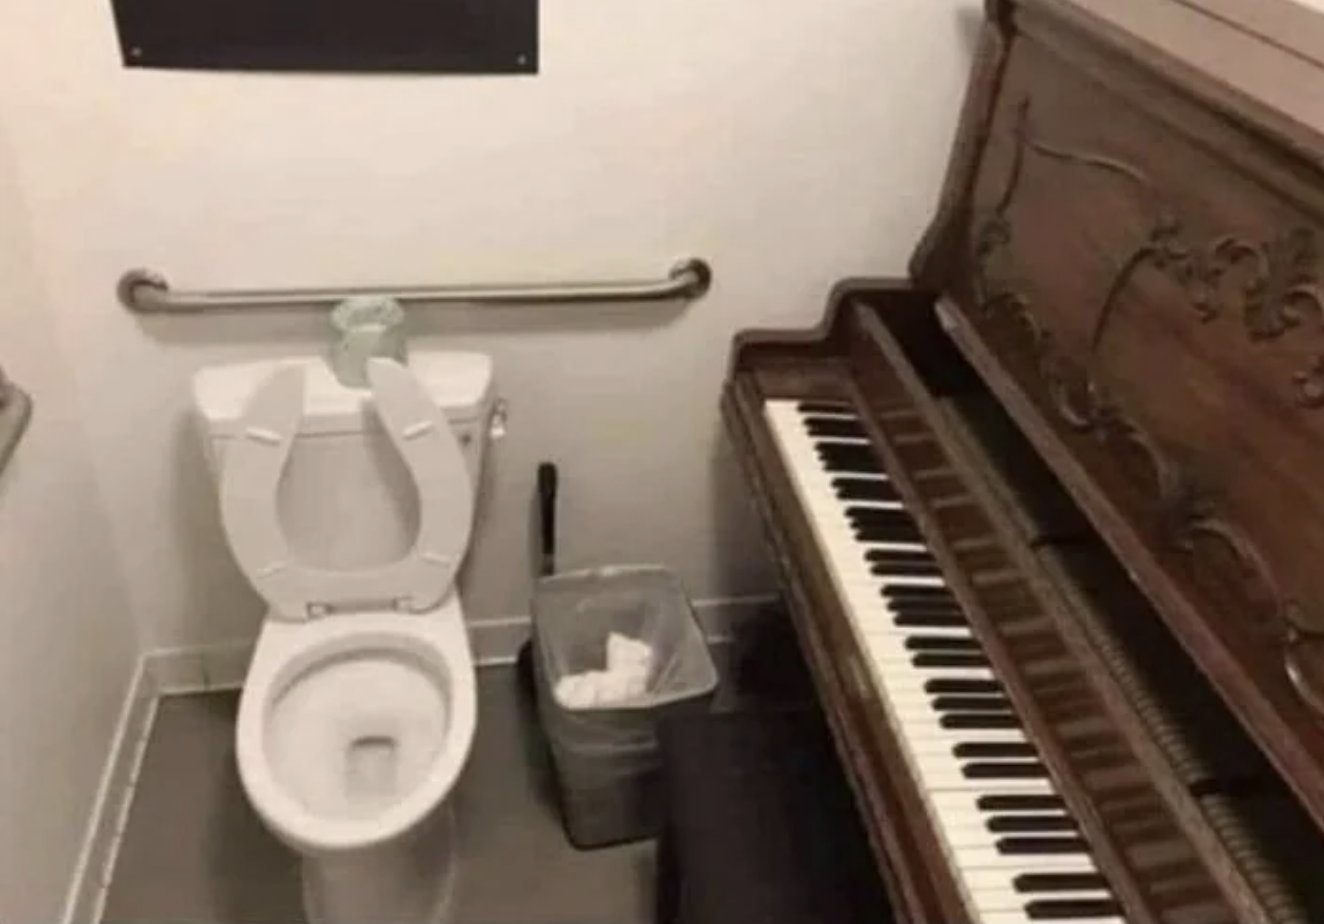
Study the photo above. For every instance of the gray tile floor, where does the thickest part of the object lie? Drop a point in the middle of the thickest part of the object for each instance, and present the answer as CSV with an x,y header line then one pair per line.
x,y
195,853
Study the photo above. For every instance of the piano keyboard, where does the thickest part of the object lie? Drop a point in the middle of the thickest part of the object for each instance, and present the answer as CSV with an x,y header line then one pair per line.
x,y
1007,833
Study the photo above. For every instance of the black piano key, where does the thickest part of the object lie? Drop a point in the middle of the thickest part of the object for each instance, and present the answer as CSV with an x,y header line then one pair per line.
x,y
835,427
1040,846
926,608
1004,770
934,603
1060,882
892,517
930,605
897,555
919,619
873,532
905,569
971,704
911,593
948,643
1072,909
909,596
826,407
922,609
904,616
865,489
1032,824
848,457
962,686
994,750
931,660
956,721
1020,802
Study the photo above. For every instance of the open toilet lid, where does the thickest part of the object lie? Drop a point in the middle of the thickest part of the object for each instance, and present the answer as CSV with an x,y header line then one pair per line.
x,y
250,483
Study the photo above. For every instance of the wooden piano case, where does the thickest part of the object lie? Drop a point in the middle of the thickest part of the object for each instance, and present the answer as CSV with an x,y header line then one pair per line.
x,y
1132,256
1127,256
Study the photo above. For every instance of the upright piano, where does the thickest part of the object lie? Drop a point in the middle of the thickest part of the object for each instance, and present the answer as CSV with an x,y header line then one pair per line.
x,y
1049,512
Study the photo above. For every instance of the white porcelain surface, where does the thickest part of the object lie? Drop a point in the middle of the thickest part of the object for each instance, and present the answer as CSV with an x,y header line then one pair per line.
x,y
301,674
459,383
352,732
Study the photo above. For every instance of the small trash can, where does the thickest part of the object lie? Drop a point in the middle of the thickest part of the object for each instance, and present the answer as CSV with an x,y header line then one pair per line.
x,y
605,752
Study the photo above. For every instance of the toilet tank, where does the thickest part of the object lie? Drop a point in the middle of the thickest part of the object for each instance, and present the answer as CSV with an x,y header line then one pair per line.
x,y
346,499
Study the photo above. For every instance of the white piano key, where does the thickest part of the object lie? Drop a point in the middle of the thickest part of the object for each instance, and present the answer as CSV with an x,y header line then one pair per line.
x,y
914,698
888,648
999,900
1011,917
910,580
937,780
887,627
984,880
864,547
977,858
969,834
945,745
830,495
901,681
966,803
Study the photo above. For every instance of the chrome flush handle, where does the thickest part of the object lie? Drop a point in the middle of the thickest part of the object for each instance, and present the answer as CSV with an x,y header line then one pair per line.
x,y
500,417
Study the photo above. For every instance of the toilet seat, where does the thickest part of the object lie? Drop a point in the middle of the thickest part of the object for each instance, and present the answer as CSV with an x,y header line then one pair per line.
x,y
250,482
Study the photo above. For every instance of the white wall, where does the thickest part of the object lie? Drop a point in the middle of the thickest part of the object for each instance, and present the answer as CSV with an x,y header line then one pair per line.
x,y
67,642
789,143
1295,25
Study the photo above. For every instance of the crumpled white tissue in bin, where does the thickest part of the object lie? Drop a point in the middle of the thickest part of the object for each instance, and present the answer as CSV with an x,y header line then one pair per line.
x,y
629,662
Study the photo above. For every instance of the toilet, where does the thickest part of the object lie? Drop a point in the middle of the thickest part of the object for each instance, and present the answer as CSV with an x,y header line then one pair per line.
x,y
349,510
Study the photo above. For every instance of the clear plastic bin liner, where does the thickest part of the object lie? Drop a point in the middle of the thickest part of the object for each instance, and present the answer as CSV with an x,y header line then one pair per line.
x,y
607,754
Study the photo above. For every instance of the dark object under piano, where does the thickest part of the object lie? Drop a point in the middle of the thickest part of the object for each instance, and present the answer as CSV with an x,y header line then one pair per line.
x,y
761,826
766,662
396,36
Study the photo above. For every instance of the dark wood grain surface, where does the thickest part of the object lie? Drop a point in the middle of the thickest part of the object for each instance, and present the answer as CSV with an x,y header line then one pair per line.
x,y
1138,279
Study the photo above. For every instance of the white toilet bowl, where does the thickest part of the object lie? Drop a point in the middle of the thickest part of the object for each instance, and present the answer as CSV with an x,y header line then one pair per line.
x,y
359,708
351,735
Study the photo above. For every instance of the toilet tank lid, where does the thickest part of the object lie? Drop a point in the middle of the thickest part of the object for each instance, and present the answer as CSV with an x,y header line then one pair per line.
x,y
460,384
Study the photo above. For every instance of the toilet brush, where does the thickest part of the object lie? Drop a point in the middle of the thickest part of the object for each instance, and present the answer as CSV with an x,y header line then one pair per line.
x,y
548,483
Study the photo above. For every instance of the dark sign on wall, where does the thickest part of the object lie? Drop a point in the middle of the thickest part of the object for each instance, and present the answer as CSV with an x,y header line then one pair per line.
x,y
418,36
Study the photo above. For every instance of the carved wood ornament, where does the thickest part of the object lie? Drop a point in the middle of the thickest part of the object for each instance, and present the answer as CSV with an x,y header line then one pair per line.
x,y
1274,286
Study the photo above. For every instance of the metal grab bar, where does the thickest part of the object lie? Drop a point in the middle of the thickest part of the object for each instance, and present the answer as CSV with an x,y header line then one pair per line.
x,y
147,292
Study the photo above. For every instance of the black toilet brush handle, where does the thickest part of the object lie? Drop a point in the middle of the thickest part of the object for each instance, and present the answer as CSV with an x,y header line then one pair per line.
x,y
547,484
